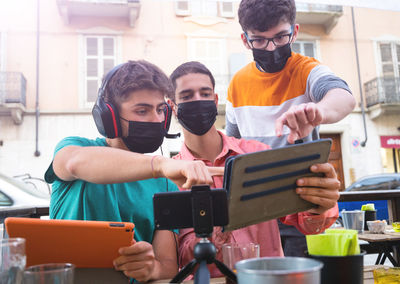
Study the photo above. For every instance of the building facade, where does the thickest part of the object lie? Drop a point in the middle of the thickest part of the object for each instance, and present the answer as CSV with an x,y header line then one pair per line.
x,y
53,54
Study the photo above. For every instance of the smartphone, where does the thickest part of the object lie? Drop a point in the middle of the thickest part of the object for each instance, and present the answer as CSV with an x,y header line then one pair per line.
x,y
173,210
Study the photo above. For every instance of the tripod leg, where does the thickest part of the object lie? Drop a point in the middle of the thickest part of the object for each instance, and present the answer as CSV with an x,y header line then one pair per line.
x,y
202,275
225,270
186,270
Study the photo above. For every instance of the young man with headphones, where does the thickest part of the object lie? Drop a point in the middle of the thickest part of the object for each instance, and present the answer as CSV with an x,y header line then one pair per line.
x,y
195,105
109,179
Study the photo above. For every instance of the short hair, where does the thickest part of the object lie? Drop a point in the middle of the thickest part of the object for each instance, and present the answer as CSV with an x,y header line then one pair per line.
x,y
135,76
191,67
262,15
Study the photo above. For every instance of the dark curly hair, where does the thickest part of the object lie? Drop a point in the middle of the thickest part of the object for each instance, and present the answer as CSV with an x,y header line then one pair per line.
x,y
262,15
135,76
191,67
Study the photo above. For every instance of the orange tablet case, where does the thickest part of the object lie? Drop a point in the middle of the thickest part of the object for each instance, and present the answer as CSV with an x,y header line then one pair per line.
x,y
83,243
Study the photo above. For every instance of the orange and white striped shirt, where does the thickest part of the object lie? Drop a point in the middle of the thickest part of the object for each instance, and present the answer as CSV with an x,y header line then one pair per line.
x,y
256,99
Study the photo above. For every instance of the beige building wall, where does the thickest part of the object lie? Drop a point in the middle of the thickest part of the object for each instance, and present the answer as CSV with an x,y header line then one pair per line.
x,y
164,39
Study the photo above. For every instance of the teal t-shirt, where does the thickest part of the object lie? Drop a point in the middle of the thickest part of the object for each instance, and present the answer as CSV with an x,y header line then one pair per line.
x,y
122,202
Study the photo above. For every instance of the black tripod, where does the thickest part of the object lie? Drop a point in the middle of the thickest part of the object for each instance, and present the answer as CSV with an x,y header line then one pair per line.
x,y
204,251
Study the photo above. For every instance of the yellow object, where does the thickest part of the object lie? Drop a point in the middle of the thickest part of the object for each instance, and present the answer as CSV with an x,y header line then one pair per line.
x,y
396,226
368,207
333,242
387,275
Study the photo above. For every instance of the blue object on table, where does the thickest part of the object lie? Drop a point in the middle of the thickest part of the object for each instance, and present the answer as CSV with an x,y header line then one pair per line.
x,y
381,207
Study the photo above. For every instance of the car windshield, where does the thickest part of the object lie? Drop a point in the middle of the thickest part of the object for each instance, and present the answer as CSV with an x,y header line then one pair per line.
x,y
383,182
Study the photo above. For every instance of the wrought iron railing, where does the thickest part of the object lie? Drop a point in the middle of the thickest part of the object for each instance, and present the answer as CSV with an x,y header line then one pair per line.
x,y
382,90
318,8
12,88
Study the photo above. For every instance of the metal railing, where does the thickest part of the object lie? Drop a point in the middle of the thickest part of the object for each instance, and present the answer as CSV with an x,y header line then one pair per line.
x,y
318,8
12,88
382,90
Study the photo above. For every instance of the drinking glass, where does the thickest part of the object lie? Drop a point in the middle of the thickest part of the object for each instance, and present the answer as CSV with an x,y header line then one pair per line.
x,y
234,252
50,273
12,260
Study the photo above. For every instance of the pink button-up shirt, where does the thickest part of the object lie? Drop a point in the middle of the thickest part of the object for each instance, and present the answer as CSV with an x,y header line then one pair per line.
x,y
266,234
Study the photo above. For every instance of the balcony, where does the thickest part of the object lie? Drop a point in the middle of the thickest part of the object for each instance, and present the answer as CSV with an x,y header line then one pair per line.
x,y
12,95
126,9
318,14
383,96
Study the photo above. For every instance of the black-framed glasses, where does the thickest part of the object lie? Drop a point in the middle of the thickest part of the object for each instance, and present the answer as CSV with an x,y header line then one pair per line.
x,y
262,42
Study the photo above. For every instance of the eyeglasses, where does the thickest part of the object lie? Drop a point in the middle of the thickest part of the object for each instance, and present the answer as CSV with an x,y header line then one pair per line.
x,y
262,42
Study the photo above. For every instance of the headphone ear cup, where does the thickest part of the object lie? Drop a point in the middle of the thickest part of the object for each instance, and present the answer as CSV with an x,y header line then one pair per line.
x,y
106,118
168,115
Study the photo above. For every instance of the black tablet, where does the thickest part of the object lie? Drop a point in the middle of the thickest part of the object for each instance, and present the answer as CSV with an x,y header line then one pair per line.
x,y
262,185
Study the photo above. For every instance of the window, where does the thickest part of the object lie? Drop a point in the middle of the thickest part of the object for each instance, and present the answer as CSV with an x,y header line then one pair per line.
x,y
226,9
390,59
390,68
99,58
5,200
211,52
212,8
182,8
306,48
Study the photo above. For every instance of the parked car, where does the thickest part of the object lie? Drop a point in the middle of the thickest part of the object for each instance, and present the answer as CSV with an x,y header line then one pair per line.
x,y
15,193
387,181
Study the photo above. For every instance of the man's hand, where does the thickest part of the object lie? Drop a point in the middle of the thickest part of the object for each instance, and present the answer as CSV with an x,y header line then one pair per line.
x,y
137,261
186,173
300,119
323,191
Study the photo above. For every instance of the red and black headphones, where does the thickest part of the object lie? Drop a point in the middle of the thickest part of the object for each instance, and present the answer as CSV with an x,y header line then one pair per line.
x,y
106,116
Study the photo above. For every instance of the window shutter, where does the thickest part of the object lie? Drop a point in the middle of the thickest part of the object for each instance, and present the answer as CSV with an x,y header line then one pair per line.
x,y
92,68
108,46
92,89
91,46
309,49
387,60
182,8
226,9
296,47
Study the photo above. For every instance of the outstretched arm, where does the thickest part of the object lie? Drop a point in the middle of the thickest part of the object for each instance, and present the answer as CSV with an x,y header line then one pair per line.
x,y
106,165
302,119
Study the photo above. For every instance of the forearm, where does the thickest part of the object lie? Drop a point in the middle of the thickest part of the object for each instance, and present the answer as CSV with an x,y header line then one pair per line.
x,y
335,105
102,165
165,269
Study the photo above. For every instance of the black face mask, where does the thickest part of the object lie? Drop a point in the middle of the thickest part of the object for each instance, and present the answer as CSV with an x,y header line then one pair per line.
x,y
144,137
272,61
197,117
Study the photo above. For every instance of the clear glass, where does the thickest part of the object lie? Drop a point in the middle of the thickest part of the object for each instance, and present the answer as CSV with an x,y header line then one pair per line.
x,y
50,273
232,253
12,260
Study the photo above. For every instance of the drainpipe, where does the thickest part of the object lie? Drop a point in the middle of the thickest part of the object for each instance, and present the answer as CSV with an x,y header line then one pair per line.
x,y
363,143
37,152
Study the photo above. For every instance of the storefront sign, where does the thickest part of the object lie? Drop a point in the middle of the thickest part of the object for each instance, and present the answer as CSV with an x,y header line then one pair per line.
x,y
390,141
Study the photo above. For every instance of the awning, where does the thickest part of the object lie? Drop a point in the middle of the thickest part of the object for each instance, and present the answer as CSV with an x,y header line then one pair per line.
x,y
390,142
